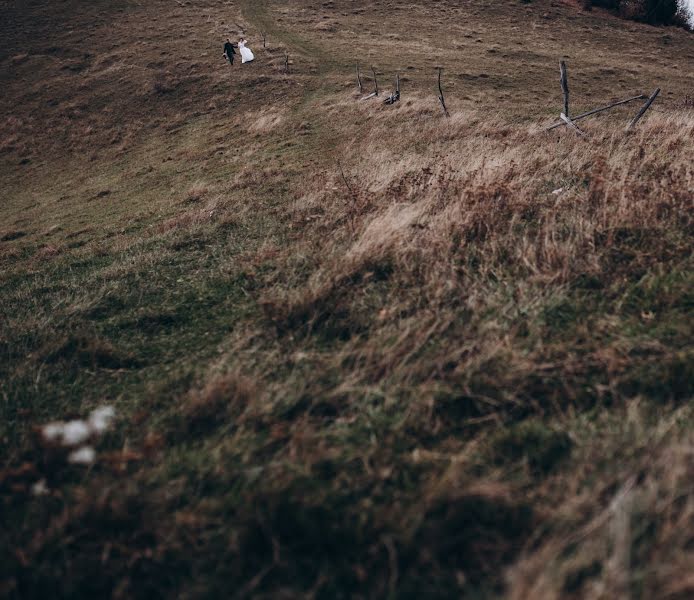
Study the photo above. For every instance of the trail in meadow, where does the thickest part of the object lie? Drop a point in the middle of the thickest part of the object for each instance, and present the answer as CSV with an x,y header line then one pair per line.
x,y
259,14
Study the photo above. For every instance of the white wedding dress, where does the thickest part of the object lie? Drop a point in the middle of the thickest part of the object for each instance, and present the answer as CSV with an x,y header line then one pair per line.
x,y
246,54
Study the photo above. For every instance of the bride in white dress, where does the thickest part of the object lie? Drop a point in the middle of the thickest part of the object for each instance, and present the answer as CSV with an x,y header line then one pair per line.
x,y
246,54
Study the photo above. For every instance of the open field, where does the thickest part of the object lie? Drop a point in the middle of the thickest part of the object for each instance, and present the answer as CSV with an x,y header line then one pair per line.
x,y
355,350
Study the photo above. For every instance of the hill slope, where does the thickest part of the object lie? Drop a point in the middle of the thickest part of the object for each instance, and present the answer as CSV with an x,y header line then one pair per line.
x,y
355,350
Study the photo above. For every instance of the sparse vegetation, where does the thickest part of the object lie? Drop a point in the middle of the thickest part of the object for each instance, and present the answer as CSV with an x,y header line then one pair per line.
x,y
355,350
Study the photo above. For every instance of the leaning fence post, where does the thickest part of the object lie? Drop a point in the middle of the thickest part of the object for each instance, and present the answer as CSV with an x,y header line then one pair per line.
x,y
442,100
564,86
643,110
361,87
375,92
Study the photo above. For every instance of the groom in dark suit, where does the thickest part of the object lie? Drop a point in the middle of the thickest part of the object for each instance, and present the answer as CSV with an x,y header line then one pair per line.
x,y
229,52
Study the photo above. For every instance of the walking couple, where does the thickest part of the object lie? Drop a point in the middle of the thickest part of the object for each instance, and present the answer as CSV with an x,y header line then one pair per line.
x,y
229,52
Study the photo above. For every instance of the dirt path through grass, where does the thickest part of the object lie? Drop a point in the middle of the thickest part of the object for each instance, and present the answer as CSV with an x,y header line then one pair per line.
x,y
318,71
260,14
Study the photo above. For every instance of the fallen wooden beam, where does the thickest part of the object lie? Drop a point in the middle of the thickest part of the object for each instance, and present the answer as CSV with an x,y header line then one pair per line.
x,y
643,110
571,124
596,111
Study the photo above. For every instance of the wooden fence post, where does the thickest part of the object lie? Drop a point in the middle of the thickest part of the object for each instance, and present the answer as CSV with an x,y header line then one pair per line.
x,y
643,110
361,87
286,62
442,100
564,86
375,92
395,96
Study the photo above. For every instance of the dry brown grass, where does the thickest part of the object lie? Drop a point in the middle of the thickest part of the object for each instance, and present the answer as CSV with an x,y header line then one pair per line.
x,y
471,217
222,398
548,208
358,350
607,538
266,120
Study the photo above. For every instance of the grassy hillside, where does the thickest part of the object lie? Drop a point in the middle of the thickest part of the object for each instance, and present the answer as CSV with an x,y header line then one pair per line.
x,y
355,350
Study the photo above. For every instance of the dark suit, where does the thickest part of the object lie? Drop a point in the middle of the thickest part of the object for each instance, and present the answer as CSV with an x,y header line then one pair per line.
x,y
229,52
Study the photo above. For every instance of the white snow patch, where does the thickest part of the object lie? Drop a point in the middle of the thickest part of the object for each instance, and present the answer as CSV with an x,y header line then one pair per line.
x,y
53,432
75,433
39,488
86,455
100,419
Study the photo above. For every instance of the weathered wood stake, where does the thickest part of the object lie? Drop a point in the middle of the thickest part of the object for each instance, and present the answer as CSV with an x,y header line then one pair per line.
x,y
361,87
375,92
643,110
264,39
564,78
596,111
286,62
571,124
442,100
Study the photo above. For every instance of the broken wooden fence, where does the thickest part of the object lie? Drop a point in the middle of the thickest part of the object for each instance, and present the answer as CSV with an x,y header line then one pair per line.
x,y
395,96
570,122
